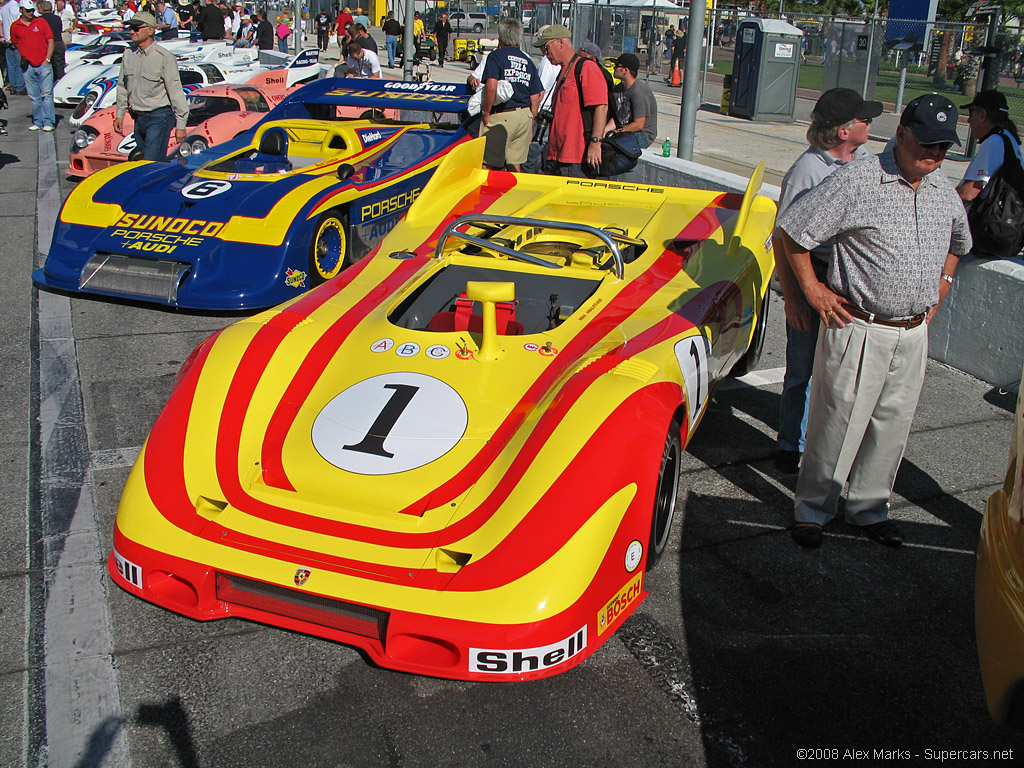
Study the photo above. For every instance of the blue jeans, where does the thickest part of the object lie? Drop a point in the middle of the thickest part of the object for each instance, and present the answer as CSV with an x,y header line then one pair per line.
x,y
39,83
153,132
391,41
14,77
282,44
796,386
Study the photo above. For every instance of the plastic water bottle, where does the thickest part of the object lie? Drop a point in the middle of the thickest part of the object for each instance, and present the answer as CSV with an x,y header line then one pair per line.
x,y
666,149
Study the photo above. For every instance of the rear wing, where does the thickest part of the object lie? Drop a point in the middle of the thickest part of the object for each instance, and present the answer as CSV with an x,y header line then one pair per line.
x,y
390,94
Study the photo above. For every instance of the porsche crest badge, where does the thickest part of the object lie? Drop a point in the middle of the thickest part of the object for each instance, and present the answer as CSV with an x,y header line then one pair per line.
x,y
301,576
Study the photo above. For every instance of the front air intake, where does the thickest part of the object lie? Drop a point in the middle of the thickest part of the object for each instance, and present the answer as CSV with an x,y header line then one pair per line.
x,y
131,276
282,601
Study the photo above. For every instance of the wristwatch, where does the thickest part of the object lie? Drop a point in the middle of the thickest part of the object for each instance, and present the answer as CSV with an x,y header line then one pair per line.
x,y
595,139
947,277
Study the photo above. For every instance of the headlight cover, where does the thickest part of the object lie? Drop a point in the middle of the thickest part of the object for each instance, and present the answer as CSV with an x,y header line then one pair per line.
x,y
84,138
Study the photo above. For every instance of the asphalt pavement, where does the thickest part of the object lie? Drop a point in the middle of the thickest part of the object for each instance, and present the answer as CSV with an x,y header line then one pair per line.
x,y
748,650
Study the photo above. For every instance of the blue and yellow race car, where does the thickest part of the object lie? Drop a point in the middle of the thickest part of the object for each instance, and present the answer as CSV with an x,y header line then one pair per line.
x,y
283,207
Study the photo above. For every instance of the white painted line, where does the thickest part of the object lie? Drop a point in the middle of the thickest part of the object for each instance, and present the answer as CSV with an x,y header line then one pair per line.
x,y
115,458
82,699
765,378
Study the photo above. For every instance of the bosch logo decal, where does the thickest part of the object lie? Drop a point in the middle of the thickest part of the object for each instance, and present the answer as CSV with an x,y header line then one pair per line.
x,y
619,603
512,661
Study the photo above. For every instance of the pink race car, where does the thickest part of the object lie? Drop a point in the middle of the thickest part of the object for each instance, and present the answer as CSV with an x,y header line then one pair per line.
x,y
216,113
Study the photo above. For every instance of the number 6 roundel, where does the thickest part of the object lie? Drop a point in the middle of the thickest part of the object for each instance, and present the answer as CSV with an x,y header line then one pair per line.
x,y
390,423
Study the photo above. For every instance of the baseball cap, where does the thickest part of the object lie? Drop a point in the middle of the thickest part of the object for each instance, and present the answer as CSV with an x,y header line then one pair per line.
x,y
552,32
28,5
990,101
142,20
592,49
629,61
931,118
841,105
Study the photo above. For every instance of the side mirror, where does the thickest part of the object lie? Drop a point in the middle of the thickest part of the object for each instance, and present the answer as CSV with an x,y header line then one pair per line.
x,y
345,171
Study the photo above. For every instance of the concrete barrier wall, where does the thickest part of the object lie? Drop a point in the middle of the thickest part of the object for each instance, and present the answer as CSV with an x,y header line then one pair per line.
x,y
979,329
980,326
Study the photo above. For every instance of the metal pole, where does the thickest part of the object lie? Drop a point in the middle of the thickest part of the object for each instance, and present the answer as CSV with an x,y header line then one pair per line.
x,y
652,47
904,56
691,95
870,52
408,44
298,25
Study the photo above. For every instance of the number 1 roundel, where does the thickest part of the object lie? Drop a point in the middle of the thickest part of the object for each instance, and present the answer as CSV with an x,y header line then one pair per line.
x,y
390,423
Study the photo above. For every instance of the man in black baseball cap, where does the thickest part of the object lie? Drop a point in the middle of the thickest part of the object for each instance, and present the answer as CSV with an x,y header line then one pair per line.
x,y
992,102
932,120
841,105
636,109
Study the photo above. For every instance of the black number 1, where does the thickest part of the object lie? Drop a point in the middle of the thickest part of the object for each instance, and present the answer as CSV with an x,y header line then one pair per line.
x,y
373,441
696,363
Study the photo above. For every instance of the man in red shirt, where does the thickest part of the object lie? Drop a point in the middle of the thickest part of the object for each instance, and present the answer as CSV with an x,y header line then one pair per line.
x,y
575,135
34,39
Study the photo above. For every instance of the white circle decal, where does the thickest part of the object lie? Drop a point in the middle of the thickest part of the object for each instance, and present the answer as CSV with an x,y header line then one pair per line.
x,y
407,349
390,423
438,351
634,552
200,190
383,345
941,117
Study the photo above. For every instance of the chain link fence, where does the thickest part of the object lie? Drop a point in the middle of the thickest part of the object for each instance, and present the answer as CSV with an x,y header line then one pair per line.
x,y
890,60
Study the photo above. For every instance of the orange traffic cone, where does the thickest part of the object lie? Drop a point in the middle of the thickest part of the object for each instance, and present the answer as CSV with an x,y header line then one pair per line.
x,y
675,76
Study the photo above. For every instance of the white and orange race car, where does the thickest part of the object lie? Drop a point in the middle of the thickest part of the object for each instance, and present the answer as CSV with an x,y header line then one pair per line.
x,y
462,454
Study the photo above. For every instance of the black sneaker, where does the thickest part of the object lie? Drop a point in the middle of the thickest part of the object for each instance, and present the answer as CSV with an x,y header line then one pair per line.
x,y
788,462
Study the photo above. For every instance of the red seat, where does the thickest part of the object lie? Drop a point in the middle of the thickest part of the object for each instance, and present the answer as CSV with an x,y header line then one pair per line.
x,y
463,319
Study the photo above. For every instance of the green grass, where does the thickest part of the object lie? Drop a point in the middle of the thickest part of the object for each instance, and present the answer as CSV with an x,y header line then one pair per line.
x,y
887,85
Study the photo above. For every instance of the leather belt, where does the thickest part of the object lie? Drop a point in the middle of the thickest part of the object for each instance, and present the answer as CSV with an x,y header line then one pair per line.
x,y
908,323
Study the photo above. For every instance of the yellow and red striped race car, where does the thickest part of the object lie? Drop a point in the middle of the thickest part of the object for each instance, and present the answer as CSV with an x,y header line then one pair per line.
x,y
462,454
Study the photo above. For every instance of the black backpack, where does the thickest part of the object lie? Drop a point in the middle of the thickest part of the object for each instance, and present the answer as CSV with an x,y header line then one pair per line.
x,y
997,218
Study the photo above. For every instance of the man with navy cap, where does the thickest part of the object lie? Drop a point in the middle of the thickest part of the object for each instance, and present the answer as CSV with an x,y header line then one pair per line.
x,y
898,228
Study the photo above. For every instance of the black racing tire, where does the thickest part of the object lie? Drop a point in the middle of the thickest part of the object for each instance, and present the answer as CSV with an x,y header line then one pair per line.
x,y
328,247
752,356
665,495
372,114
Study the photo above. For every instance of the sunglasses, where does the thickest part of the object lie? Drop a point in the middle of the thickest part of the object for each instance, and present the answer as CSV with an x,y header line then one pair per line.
x,y
938,146
136,27
865,120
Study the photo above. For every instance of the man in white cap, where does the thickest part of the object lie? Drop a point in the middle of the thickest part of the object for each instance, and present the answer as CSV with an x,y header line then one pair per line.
x,y
34,38
150,86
